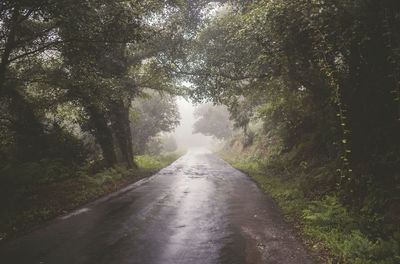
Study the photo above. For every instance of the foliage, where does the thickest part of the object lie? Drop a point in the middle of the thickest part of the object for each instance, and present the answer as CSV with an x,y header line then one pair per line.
x,y
150,117
69,72
330,222
161,144
67,84
322,78
44,198
212,120
169,143
304,191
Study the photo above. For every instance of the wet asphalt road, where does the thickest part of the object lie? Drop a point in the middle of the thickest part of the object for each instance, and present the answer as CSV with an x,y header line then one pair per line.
x,y
198,210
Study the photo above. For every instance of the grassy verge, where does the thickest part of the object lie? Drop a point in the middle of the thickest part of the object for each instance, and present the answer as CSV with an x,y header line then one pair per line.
x,y
33,205
331,231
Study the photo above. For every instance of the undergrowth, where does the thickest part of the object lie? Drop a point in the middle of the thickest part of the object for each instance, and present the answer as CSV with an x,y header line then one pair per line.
x,y
24,206
333,232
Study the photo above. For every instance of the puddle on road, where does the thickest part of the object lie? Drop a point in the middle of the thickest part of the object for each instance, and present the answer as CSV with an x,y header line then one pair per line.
x,y
77,212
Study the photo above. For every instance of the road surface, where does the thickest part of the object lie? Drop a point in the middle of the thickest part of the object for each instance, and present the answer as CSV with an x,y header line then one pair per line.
x,y
198,210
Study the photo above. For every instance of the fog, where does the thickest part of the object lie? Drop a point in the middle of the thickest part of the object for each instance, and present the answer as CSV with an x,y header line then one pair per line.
x,y
183,133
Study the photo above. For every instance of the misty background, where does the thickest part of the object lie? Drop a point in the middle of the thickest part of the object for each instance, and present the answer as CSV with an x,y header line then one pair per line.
x,y
183,134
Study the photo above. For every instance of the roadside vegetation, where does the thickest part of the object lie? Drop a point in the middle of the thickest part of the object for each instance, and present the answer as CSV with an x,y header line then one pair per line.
x,y
29,205
313,89
85,105
334,232
87,85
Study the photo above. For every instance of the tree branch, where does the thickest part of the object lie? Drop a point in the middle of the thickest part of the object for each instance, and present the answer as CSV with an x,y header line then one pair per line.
x,y
42,48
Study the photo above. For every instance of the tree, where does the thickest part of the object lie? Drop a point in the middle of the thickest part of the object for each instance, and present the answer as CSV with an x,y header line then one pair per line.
x,y
85,54
212,121
169,143
151,116
322,73
160,143
28,30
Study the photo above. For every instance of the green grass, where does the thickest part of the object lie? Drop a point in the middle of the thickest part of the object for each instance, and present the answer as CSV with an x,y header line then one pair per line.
x,y
326,226
154,163
32,205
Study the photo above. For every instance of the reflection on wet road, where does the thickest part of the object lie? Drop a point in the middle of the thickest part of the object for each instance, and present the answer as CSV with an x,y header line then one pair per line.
x,y
198,210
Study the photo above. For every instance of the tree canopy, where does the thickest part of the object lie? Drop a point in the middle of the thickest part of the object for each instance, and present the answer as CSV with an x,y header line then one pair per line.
x,y
322,76
76,66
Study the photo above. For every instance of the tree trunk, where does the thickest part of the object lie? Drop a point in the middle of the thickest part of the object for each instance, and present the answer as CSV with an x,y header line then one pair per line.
x,y
8,48
121,127
103,135
30,140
